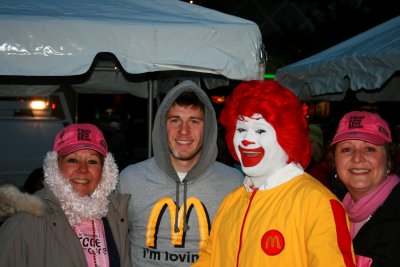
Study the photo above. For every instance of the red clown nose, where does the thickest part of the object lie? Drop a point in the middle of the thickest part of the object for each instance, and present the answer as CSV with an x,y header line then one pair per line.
x,y
246,143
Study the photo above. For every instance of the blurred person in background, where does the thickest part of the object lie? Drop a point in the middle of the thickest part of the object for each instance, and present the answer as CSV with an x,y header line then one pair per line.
x,y
319,165
363,150
34,182
76,220
117,145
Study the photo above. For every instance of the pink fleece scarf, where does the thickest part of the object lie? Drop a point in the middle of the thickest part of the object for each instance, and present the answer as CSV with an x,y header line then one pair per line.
x,y
368,204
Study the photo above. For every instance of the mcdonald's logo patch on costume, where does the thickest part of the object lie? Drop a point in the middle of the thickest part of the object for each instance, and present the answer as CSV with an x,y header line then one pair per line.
x,y
272,242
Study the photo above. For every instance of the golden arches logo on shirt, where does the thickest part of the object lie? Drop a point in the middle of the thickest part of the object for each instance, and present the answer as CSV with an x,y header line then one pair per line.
x,y
176,238
272,242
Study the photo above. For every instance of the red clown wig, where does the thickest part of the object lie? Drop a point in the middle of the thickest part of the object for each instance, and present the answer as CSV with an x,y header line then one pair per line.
x,y
279,107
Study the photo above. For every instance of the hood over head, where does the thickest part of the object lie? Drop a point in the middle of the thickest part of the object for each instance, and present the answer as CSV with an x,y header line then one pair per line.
x,y
160,141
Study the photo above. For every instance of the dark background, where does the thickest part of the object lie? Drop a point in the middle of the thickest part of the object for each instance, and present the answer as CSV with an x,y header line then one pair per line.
x,y
291,30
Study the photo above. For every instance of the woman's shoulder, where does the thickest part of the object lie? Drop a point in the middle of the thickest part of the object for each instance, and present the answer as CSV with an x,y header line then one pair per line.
x,y
310,187
391,204
13,201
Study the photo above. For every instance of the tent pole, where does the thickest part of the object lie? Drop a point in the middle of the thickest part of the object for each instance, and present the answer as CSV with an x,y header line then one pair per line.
x,y
150,117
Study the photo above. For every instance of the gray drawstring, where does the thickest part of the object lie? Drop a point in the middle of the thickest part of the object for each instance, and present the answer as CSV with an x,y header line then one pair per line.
x,y
176,227
185,224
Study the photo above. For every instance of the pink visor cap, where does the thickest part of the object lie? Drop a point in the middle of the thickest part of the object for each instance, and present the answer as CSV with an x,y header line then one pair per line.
x,y
80,136
365,126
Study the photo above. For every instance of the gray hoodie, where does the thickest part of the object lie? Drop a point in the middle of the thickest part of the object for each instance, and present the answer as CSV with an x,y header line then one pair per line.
x,y
168,218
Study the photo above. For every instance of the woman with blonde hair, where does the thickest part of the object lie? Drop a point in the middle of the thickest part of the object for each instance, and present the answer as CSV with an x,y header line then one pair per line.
x,y
76,220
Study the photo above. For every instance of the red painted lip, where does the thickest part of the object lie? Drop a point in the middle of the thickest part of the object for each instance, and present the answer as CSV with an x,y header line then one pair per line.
x,y
251,157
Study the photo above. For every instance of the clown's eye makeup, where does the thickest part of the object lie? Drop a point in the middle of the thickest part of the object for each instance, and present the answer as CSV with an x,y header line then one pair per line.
x,y
240,130
260,131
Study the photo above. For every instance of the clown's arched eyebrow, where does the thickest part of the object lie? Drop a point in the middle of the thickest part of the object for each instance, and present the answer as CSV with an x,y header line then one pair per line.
x,y
255,116
241,118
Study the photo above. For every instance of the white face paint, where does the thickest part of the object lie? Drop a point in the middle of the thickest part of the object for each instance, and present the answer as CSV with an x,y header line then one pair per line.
x,y
257,147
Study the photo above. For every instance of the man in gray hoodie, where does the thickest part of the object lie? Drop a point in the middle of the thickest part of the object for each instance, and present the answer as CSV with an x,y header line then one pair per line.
x,y
176,194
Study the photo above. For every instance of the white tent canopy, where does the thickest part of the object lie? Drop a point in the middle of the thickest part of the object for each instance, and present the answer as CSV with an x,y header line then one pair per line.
x,y
366,63
48,42
62,38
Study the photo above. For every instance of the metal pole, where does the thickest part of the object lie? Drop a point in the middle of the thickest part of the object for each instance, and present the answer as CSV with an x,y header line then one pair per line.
x,y
150,118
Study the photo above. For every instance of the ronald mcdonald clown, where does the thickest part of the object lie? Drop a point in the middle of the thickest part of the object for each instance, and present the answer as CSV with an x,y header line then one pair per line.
x,y
281,216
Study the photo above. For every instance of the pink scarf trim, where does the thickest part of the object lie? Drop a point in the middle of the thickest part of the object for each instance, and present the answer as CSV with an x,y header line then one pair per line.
x,y
368,204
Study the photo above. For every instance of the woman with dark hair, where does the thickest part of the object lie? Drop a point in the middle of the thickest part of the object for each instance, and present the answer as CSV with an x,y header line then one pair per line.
x,y
362,154
34,182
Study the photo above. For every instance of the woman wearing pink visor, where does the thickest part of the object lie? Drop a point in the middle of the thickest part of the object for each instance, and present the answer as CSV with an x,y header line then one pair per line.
x,y
76,220
362,148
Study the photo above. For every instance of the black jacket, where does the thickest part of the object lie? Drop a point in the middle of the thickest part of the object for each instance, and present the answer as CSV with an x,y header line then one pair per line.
x,y
379,238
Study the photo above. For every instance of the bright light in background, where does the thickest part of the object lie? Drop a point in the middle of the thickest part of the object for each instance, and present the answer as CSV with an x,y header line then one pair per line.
x,y
218,99
269,76
38,104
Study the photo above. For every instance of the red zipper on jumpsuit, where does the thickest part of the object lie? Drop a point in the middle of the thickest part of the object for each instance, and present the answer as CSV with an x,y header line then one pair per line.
x,y
243,223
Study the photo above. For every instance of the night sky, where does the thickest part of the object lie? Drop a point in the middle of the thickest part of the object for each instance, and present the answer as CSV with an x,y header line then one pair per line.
x,y
293,30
